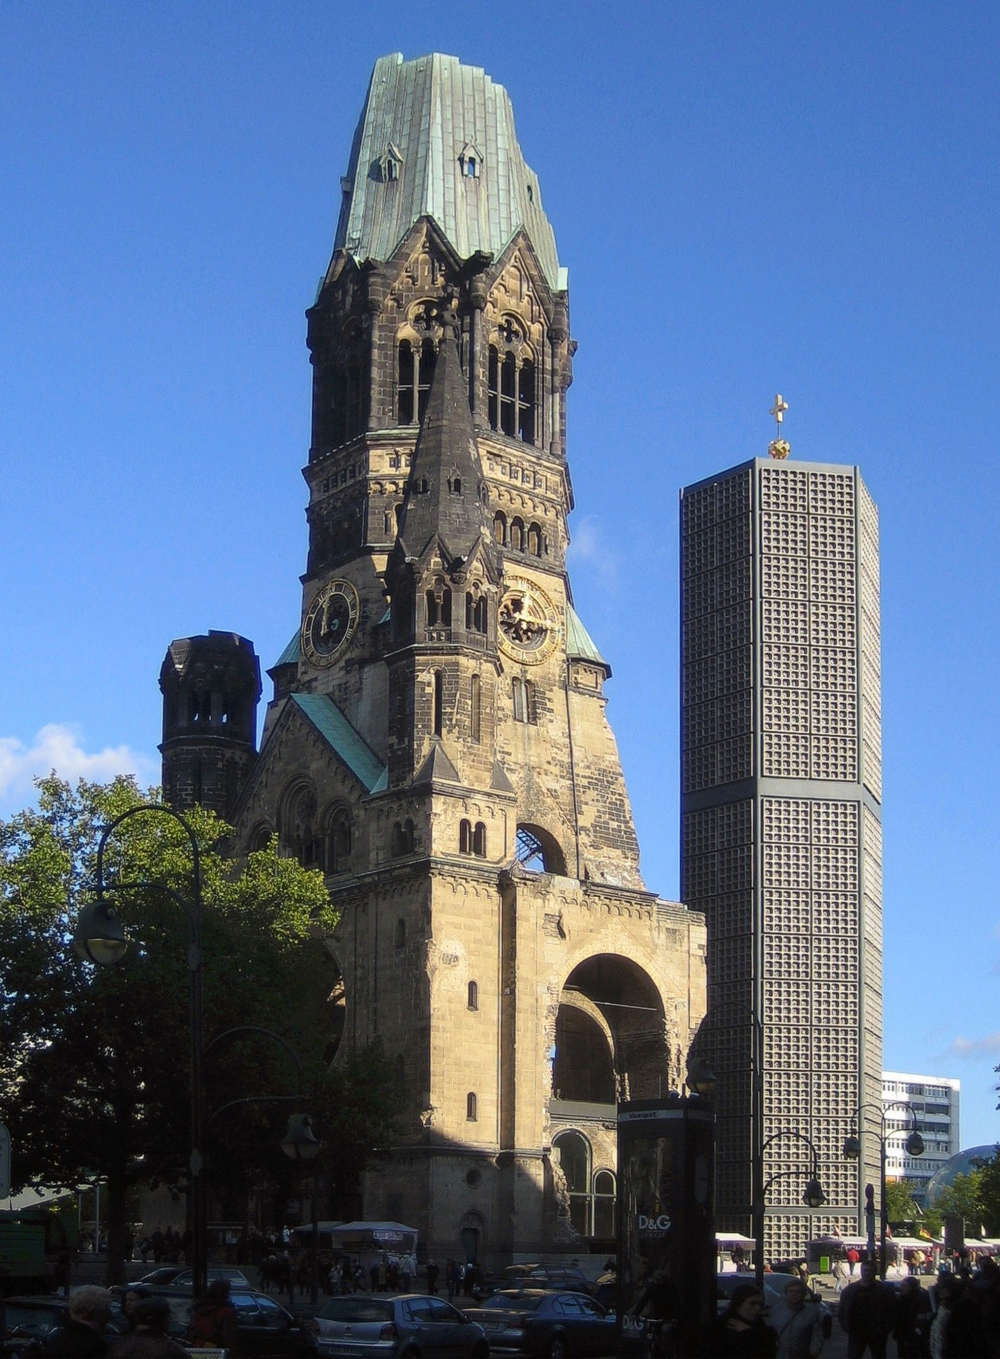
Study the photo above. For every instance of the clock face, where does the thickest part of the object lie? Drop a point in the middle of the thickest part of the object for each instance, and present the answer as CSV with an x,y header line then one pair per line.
x,y
528,630
329,625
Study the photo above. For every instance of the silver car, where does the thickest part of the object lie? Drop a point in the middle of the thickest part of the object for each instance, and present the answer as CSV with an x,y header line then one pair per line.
x,y
411,1325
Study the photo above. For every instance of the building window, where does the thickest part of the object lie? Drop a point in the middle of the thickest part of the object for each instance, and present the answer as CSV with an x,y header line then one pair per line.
x,y
338,842
523,695
500,528
535,540
511,385
465,837
604,1204
438,702
402,838
413,380
475,709
471,1107
479,840
475,612
575,1162
439,607
516,539
473,1001
400,934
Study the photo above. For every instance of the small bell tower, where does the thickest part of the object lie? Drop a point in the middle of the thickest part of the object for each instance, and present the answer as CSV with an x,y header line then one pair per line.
x,y
210,686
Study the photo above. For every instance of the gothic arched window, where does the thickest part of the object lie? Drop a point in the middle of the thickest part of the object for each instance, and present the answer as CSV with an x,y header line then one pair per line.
x,y
511,384
298,826
535,540
416,360
465,837
523,695
479,840
347,405
517,535
338,841
500,528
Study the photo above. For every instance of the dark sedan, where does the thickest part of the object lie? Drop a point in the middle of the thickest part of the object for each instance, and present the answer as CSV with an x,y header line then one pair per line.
x,y
264,1328
544,1322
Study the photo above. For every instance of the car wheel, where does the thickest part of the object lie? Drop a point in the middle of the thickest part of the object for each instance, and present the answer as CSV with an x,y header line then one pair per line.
x,y
558,1348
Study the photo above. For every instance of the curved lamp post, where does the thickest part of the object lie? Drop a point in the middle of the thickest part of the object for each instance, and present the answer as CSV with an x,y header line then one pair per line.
x,y
813,1195
914,1146
99,938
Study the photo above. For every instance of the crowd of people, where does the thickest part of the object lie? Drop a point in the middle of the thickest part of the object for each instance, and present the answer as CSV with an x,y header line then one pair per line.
x,y
958,1317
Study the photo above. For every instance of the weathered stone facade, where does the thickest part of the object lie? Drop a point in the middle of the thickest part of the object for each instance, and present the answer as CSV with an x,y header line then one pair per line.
x,y
438,742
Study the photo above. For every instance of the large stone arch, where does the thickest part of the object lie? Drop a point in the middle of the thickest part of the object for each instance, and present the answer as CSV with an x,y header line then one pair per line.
x,y
621,1000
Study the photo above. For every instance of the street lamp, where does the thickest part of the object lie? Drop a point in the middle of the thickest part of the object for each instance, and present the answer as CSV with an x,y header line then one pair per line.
x,y
914,1146
813,1195
99,938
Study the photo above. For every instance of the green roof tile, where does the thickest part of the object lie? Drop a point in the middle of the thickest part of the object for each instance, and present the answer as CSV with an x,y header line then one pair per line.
x,y
292,653
338,733
579,643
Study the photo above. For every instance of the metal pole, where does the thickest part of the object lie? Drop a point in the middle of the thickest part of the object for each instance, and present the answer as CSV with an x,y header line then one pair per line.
x,y
314,1273
884,1214
757,1153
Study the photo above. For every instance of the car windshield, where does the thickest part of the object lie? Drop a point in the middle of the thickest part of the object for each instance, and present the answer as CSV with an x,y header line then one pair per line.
x,y
356,1309
515,1302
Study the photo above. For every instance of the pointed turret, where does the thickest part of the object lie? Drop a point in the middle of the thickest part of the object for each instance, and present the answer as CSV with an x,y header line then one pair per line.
x,y
445,498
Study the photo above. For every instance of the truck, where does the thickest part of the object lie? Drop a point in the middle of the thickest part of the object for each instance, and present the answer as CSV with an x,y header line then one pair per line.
x,y
32,1240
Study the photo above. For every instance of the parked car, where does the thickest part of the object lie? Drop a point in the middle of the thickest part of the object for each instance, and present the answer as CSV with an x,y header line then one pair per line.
x,y
409,1325
265,1330
179,1276
568,1277
28,1320
774,1295
546,1322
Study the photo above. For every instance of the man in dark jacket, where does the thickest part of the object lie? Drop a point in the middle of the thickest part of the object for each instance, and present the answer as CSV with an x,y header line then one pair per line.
x,y
914,1314
82,1337
867,1313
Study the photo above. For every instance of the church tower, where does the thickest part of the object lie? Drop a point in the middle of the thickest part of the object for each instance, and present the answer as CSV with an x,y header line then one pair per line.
x,y
438,743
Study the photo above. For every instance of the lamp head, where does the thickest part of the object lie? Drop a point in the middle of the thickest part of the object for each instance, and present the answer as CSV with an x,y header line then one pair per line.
x,y
700,1076
99,937
852,1147
813,1196
300,1143
914,1144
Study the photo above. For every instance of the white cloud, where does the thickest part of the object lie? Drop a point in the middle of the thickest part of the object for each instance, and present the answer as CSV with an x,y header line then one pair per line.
x,y
988,1046
588,547
58,747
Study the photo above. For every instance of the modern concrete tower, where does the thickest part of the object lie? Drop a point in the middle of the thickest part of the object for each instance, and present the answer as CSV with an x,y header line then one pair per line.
x,y
438,743
782,838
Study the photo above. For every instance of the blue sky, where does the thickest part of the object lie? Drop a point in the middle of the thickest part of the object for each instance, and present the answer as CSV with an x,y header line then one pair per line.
x,y
749,197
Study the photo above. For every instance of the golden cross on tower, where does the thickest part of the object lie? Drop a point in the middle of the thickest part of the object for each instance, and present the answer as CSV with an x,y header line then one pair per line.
x,y
779,447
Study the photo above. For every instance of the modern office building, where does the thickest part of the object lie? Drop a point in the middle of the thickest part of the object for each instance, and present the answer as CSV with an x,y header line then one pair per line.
x,y
782,838
934,1101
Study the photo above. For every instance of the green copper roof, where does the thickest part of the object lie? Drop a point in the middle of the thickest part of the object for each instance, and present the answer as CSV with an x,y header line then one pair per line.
x,y
431,117
292,653
579,643
338,733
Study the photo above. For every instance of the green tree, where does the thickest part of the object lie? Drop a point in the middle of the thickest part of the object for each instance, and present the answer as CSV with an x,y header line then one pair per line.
x,y
964,1197
989,1190
899,1203
94,1062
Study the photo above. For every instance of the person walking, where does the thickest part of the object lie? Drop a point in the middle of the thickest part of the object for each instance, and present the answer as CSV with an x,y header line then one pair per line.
x,y
853,1259
799,1325
213,1320
148,1338
741,1332
957,1329
914,1314
433,1271
867,1312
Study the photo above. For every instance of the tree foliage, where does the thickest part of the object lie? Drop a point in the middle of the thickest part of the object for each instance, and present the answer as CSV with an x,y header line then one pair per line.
x,y
95,1062
900,1206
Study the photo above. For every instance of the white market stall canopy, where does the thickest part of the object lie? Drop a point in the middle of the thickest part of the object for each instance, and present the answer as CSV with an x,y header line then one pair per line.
x,y
364,1236
727,1240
